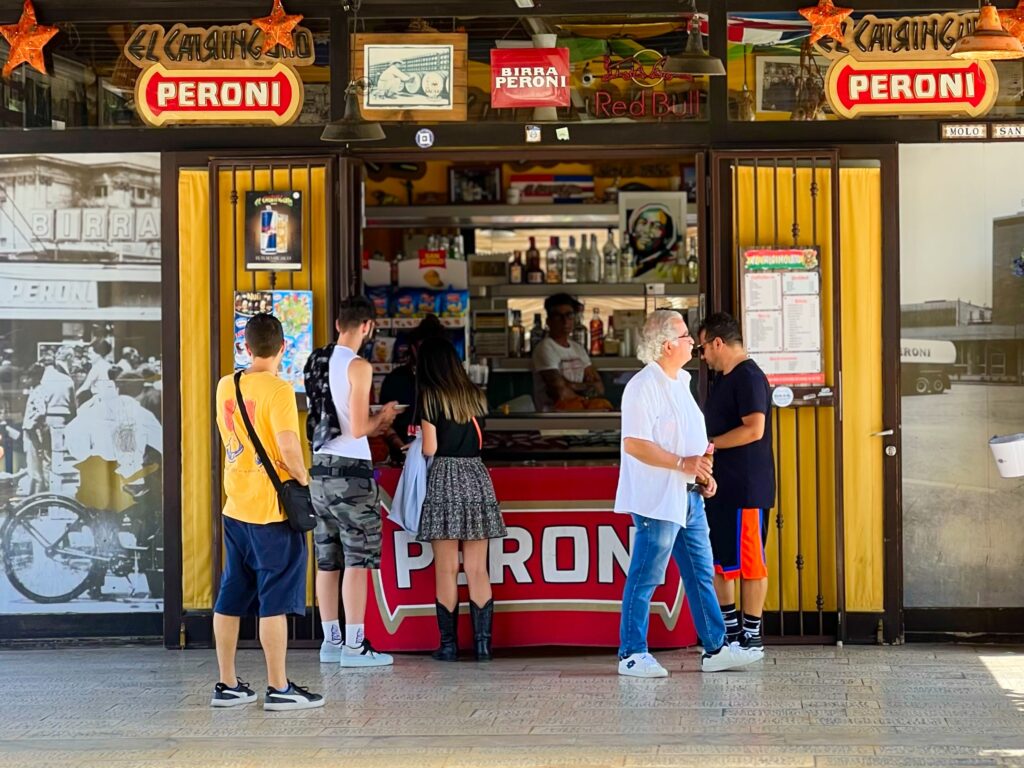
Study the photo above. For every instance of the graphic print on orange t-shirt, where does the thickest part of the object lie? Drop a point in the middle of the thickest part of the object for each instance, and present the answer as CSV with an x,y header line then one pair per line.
x,y
234,447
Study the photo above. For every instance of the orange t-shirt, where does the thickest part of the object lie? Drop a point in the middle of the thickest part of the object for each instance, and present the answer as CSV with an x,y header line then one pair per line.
x,y
270,403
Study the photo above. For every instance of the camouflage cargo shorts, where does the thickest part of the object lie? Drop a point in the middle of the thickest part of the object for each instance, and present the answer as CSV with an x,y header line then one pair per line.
x,y
348,528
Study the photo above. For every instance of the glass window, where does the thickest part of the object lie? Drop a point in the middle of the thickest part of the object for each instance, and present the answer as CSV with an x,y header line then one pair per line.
x,y
962,372
90,83
80,384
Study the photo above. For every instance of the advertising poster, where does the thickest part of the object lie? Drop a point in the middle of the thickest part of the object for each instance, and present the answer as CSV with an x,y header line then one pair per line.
x,y
782,313
81,465
273,231
529,77
295,311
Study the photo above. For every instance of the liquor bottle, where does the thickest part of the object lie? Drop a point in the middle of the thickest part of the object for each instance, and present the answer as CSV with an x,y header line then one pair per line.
x,y
459,247
515,270
593,261
627,265
611,341
536,333
692,267
534,272
596,334
584,269
571,263
554,262
611,259
679,266
515,334
579,330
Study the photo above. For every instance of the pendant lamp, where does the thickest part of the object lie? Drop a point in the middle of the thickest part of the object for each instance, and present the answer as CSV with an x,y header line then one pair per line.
x,y
353,126
989,42
694,60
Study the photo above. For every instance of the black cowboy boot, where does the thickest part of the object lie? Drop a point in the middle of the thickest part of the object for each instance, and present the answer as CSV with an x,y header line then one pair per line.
x,y
448,626
483,618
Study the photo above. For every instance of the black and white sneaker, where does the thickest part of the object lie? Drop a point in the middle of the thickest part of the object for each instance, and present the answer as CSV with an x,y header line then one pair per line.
x,y
225,696
295,697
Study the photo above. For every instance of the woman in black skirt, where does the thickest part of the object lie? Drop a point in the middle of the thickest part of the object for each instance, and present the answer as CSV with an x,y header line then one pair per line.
x,y
460,505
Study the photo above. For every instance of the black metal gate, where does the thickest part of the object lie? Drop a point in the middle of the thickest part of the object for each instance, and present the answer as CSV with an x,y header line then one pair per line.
x,y
779,200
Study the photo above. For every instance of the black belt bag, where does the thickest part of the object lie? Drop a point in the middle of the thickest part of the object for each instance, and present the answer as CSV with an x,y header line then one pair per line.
x,y
292,495
357,471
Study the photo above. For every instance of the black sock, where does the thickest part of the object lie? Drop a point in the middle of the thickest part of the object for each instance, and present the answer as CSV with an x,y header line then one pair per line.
x,y
752,631
732,623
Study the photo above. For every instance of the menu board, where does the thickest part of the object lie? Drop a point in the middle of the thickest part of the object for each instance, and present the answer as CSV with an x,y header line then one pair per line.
x,y
782,313
295,311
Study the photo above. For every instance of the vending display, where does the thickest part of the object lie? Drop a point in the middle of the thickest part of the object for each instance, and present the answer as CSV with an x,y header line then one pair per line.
x,y
295,311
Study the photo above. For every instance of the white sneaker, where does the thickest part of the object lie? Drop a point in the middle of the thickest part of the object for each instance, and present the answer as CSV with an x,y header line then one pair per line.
x,y
364,656
641,665
728,657
756,652
330,653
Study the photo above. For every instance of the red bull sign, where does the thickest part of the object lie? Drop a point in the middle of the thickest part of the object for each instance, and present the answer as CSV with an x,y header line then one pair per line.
x,y
557,577
902,66
217,75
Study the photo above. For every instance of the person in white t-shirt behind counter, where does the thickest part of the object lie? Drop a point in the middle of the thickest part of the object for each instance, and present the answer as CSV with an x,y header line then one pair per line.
x,y
663,454
563,376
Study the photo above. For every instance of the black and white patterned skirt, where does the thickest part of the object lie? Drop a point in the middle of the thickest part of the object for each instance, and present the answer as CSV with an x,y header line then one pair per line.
x,y
460,502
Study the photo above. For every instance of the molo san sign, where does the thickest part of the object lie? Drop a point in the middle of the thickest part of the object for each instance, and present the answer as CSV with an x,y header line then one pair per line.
x,y
217,74
529,77
902,67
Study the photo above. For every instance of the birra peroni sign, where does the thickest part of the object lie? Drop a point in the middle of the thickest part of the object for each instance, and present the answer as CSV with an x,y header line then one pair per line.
x,y
216,75
902,66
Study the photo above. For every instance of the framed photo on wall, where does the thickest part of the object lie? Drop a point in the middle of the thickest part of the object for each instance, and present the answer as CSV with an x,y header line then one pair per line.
x,y
653,224
776,80
413,77
474,184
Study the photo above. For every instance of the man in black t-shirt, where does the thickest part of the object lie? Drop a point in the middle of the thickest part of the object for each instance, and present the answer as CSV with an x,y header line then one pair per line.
x,y
738,418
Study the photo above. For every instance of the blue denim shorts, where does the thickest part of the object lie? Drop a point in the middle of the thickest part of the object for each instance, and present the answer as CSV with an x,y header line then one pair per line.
x,y
264,570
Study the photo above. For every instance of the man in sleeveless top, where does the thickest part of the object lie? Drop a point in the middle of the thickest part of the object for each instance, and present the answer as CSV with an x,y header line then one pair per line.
x,y
345,495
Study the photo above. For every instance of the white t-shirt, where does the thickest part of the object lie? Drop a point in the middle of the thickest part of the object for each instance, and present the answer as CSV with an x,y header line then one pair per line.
x,y
344,445
571,361
662,411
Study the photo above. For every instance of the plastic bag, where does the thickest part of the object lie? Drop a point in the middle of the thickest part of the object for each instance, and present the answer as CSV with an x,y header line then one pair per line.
x,y
407,502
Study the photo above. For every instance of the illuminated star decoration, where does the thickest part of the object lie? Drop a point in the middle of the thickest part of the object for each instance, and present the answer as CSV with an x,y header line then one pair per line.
x,y
826,20
1013,21
27,39
277,28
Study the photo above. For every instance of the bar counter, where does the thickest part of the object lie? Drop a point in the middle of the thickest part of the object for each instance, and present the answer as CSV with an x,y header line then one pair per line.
x,y
557,577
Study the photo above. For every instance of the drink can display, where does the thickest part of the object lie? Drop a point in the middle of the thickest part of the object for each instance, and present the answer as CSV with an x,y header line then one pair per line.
x,y
268,231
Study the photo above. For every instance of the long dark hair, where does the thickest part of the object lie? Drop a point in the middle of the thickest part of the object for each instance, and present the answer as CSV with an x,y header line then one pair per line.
x,y
444,387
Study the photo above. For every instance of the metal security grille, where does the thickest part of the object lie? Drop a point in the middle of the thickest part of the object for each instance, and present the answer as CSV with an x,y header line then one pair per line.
x,y
777,201
230,180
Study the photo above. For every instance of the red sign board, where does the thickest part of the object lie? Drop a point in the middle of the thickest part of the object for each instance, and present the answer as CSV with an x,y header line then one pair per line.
x,y
433,258
271,96
557,577
898,87
529,77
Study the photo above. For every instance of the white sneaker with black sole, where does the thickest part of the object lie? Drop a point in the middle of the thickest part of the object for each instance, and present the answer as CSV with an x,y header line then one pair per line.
x,y
226,696
364,656
295,697
641,665
728,657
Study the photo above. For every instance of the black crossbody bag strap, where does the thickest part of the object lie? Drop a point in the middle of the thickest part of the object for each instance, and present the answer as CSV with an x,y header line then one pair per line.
x,y
254,438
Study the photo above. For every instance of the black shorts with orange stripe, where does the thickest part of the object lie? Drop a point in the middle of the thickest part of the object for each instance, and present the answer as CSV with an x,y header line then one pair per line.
x,y
738,539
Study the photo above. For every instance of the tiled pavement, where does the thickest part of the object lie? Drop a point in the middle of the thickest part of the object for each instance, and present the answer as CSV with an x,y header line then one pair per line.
x,y
816,707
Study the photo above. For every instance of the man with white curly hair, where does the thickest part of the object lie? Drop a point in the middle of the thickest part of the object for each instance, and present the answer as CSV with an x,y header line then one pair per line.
x,y
663,480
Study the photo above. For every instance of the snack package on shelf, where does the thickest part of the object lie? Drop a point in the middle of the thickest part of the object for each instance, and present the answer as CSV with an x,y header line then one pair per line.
x,y
454,304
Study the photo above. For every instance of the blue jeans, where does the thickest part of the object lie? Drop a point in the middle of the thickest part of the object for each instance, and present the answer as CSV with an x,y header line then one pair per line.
x,y
656,541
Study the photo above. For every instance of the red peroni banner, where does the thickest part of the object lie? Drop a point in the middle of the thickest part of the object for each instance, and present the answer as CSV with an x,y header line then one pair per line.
x,y
557,577
529,77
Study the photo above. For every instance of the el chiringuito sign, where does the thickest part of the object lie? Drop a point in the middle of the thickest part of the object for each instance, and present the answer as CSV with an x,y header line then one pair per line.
x,y
900,66
243,73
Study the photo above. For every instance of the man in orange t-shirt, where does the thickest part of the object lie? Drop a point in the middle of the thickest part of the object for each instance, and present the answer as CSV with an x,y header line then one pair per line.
x,y
264,558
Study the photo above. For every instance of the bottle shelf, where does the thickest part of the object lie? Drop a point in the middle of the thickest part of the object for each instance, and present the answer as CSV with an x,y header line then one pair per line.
x,y
534,290
469,216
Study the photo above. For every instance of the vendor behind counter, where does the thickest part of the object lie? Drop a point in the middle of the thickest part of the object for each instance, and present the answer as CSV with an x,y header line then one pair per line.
x,y
564,378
